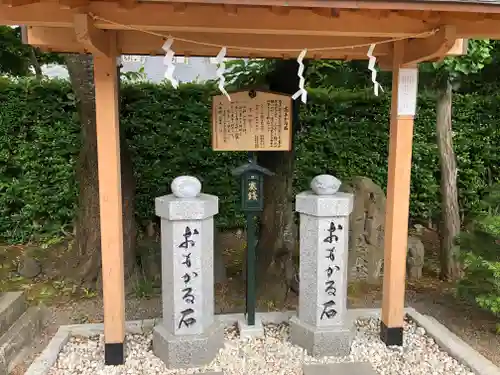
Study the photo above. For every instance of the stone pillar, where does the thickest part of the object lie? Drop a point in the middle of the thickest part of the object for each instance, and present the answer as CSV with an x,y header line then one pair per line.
x,y
322,326
188,335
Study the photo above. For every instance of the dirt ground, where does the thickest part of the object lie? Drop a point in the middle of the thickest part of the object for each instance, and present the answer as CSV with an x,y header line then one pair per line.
x,y
67,304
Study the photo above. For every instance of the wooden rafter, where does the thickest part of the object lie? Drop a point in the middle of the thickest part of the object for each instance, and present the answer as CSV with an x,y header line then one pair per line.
x,y
281,11
231,10
363,4
388,6
74,4
16,3
179,7
128,4
326,12
213,18
433,47
92,39
134,42
459,48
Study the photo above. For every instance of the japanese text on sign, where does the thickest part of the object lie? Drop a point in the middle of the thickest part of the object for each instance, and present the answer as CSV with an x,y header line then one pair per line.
x,y
329,287
251,122
187,314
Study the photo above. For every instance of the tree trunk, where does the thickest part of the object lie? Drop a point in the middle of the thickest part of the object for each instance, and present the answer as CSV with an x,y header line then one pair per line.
x,y
128,197
88,235
278,231
35,63
450,214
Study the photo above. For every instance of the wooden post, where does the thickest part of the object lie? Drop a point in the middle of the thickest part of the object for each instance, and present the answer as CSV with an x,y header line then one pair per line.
x,y
110,200
403,105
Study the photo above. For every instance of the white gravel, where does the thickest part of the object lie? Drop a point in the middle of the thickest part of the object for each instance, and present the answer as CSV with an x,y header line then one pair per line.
x,y
271,355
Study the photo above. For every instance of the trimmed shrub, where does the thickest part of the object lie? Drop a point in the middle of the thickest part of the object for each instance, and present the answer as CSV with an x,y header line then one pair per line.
x,y
168,132
479,252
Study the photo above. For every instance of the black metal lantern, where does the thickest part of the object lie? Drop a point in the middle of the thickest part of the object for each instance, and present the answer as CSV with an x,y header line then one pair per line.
x,y
252,186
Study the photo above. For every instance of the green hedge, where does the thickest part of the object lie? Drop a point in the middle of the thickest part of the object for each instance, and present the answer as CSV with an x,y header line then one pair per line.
x,y
39,141
479,252
168,132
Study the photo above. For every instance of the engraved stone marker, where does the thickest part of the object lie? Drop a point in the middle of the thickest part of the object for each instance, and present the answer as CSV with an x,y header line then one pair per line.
x,y
321,326
188,335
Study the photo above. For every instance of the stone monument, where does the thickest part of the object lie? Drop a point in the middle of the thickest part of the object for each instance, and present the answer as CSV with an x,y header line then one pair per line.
x,y
188,335
415,255
321,326
367,226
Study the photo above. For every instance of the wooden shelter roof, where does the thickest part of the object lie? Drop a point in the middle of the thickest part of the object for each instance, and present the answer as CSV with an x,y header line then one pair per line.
x,y
406,32
341,29
493,2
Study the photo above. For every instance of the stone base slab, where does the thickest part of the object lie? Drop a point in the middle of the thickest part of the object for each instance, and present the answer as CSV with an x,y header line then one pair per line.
x,y
322,341
348,368
256,330
188,350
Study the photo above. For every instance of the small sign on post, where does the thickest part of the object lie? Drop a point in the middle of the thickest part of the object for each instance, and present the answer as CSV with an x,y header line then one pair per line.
x,y
407,92
252,121
252,203
252,185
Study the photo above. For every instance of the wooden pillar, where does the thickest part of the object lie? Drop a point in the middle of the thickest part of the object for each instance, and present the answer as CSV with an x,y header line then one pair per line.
x,y
110,199
403,104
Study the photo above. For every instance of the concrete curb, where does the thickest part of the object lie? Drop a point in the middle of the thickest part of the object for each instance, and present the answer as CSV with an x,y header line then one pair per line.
x,y
447,340
12,306
48,357
453,344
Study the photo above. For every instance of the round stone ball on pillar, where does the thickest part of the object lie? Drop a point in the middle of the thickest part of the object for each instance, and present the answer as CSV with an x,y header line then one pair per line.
x,y
325,184
188,335
186,187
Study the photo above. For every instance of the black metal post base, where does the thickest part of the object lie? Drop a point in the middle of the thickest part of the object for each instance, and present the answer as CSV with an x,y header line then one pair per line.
x,y
250,284
391,335
114,354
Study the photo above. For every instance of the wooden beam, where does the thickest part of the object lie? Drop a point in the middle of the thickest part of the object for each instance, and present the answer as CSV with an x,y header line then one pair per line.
x,y
110,201
440,6
94,40
232,10
74,4
128,4
16,3
459,48
433,47
466,7
326,12
179,7
212,18
403,104
281,11
429,15
134,42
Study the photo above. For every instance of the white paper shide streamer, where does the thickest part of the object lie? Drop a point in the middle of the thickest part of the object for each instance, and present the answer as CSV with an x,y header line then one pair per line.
x,y
168,61
371,67
221,68
302,81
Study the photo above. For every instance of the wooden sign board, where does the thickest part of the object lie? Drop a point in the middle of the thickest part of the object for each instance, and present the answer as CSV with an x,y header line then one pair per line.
x,y
252,121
